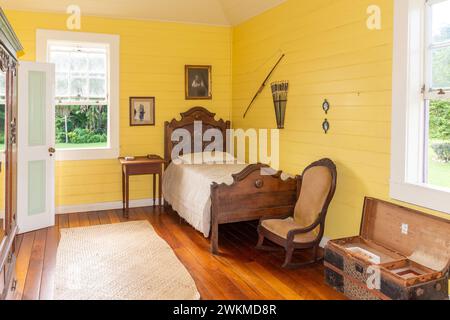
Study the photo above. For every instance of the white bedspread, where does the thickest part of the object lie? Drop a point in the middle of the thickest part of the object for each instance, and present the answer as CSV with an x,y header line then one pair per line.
x,y
188,189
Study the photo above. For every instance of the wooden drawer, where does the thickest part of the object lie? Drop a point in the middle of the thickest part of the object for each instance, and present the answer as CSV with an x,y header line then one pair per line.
x,y
12,285
139,169
7,282
10,261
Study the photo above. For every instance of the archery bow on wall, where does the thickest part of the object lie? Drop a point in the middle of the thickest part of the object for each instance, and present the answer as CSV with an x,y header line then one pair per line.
x,y
261,88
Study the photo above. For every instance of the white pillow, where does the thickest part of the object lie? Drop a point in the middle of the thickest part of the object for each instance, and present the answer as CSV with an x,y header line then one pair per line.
x,y
215,157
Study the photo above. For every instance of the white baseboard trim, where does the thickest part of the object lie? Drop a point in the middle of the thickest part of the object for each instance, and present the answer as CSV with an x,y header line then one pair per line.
x,y
103,206
324,242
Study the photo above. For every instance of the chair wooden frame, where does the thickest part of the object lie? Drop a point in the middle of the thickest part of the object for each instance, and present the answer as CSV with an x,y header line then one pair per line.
x,y
288,244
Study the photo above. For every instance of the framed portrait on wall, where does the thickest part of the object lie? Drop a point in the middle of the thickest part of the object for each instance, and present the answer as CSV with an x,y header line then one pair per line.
x,y
198,82
142,111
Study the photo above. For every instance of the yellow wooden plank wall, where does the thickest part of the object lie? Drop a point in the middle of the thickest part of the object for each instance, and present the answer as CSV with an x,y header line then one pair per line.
x,y
330,54
152,57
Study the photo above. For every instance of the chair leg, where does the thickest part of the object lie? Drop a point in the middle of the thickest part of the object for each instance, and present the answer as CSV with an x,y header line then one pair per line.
x,y
289,265
260,240
288,259
260,245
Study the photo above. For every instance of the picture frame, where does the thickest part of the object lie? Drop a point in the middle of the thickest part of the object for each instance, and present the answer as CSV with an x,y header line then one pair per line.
x,y
198,82
142,111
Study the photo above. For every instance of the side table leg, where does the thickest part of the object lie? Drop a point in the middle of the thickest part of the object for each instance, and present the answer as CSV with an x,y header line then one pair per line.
x,y
154,191
123,192
127,196
160,190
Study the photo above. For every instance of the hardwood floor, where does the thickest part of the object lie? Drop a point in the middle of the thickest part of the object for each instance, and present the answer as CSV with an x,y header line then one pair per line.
x,y
239,272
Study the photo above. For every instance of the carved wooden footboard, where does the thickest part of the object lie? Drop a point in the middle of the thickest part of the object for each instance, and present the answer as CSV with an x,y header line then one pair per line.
x,y
252,196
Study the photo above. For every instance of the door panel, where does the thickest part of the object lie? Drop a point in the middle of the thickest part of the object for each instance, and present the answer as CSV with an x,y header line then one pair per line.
x,y
36,205
36,108
36,187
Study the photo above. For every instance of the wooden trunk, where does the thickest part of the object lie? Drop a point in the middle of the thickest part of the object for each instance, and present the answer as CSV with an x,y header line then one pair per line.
x,y
400,254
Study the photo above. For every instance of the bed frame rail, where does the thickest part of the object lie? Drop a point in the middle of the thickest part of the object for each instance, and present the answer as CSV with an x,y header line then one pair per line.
x,y
252,195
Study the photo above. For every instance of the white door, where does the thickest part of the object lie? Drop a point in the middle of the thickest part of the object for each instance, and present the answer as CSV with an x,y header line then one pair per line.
x,y
36,136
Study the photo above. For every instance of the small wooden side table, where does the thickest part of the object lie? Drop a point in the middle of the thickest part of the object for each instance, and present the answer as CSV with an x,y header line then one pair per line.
x,y
152,165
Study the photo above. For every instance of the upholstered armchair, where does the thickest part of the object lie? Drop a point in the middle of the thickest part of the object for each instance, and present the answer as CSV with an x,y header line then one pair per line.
x,y
304,228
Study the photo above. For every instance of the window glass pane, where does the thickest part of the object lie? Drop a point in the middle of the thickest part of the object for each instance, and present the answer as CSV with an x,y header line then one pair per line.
x,y
78,87
438,171
62,85
97,88
97,63
441,68
61,61
79,62
80,127
441,21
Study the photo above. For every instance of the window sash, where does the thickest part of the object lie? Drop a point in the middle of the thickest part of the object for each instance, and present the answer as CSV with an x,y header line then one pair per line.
x,y
84,75
429,92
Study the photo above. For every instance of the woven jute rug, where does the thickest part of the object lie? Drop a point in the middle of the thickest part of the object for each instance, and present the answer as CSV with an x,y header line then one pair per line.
x,y
124,261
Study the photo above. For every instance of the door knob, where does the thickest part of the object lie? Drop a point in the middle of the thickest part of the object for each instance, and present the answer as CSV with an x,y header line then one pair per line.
x,y
51,150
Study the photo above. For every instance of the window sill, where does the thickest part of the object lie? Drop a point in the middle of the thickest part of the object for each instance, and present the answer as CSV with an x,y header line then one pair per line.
x,y
422,195
86,154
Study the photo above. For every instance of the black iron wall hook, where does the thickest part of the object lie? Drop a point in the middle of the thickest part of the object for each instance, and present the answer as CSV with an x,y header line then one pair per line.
x,y
326,126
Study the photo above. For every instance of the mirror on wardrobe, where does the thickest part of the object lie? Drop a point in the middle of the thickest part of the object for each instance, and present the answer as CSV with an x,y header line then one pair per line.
x,y
2,153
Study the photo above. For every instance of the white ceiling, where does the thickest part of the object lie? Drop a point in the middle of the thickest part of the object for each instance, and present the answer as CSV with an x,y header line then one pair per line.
x,y
216,12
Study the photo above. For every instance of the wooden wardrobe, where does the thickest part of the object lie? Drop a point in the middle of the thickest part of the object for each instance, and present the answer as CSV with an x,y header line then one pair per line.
x,y
9,46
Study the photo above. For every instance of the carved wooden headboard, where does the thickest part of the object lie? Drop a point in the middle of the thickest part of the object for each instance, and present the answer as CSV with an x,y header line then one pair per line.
x,y
187,121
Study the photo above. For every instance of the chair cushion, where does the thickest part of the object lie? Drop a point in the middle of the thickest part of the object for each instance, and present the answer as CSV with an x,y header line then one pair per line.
x,y
316,185
282,227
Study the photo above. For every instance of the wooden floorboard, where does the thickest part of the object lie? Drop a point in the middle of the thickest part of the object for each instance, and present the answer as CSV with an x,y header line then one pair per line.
x,y
239,272
48,269
35,267
23,262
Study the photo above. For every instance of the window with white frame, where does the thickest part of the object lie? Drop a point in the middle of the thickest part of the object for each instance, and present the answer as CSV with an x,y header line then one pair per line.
x,y
86,92
81,94
437,94
420,170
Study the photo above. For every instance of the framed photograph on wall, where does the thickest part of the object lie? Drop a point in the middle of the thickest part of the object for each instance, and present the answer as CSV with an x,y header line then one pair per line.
x,y
198,82
142,111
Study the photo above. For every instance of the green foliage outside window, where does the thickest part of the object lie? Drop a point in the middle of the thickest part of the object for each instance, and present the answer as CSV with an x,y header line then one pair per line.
x,y
81,125
440,120
440,129
439,144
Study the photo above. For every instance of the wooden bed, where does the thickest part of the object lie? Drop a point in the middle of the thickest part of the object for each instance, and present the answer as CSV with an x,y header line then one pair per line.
x,y
251,196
